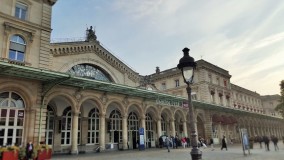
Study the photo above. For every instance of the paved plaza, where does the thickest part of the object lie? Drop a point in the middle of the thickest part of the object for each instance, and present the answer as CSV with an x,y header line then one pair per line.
x,y
234,153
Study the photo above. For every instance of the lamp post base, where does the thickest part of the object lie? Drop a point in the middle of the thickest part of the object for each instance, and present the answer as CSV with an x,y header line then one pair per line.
x,y
196,154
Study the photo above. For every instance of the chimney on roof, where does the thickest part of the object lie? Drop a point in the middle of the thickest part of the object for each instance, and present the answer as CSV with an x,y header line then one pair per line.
x,y
157,70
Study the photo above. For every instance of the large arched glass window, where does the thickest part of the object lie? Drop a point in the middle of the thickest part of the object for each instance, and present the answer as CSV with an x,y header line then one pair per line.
x,y
66,127
133,126
89,71
115,127
149,128
11,119
17,48
94,126
164,126
133,122
49,126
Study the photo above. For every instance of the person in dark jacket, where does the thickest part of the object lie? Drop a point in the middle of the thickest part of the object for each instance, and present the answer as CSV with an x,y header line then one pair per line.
x,y
161,142
274,139
266,142
224,143
29,150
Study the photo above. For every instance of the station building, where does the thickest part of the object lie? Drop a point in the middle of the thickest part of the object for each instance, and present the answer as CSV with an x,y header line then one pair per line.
x,y
78,97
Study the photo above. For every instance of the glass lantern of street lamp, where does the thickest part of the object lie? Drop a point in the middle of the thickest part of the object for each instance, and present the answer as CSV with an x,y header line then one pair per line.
x,y
187,66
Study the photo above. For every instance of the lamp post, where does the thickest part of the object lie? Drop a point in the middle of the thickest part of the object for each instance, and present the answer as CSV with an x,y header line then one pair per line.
x,y
187,66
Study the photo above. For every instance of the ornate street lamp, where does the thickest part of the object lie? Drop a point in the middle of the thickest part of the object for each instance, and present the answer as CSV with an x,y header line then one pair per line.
x,y
187,65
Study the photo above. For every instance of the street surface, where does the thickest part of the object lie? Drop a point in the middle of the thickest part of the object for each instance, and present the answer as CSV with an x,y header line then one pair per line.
x,y
234,152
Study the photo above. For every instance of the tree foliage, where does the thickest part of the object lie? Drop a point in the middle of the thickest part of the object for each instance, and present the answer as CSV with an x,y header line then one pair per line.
x,y
280,106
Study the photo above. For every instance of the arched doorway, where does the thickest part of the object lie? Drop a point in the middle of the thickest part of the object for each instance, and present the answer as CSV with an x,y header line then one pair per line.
x,y
133,127
49,129
200,128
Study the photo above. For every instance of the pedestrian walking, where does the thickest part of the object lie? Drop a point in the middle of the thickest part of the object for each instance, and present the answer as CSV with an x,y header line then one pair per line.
x,y
275,141
266,142
224,143
168,141
183,141
211,143
260,140
188,142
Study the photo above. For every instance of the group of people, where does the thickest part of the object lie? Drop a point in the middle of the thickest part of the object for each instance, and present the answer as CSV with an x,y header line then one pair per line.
x,y
174,142
266,141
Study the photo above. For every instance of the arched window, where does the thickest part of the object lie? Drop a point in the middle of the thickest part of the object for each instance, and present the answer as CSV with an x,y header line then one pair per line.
x,y
149,128
164,126
115,127
133,127
49,126
11,118
66,127
133,122
94,126
17,48
89,71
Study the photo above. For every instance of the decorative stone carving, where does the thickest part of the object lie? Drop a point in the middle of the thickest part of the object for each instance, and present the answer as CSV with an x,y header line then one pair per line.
x,y
104,98
78,95
125,100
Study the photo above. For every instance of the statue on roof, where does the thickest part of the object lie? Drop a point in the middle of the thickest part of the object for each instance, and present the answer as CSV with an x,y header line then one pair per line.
x,y
91,36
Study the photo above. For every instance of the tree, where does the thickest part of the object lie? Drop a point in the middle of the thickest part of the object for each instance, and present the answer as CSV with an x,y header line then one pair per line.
x,y
280,106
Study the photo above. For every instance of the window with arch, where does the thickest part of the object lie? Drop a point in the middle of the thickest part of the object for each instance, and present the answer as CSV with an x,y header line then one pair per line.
x,y
133,126
17,48
11,118
164,126
149,128
133,123
49,129
94,126
89,71
115,127
66,127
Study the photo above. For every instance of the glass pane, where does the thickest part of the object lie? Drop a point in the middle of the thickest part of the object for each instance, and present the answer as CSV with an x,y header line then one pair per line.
x,y
19,132
12,113
20,56
1,141
20,103
2,132
23,15
11,122
12,54
20,122
18,141
10,132
12,104
9,141
2,121
17,12
3,113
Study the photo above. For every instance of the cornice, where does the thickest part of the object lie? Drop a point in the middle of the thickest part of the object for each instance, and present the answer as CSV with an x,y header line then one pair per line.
x,y
26,24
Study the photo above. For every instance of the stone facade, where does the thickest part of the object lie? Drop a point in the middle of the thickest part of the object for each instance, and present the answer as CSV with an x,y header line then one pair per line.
x,y
74,118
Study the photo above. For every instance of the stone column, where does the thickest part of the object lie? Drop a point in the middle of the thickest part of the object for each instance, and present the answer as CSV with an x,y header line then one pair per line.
x,y
159,128
102,131
173,128
74,140
185,129
57,134
124,132
84,130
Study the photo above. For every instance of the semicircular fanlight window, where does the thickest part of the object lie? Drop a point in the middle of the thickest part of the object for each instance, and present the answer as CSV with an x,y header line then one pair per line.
x,y
90,72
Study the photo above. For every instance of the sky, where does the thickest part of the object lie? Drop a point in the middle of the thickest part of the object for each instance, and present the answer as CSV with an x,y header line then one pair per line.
x,y
244,37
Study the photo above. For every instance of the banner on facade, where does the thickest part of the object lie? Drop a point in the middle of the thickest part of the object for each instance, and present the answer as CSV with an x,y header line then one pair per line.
x,y
245,140
141,139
